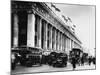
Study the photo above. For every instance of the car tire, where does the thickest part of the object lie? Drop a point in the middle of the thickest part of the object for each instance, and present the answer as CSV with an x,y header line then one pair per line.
x,y
54,65
29,65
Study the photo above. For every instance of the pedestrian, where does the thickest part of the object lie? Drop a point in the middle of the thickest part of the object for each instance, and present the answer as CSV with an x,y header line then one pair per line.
x,y
89,60
94,60
82,60
73,62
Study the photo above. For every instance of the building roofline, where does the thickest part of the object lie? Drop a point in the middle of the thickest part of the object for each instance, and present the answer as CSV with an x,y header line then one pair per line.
x,y
55,16
64,25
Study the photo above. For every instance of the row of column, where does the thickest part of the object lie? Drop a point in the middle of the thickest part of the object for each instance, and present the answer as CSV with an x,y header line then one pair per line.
x,y
52,39
30,34
42,34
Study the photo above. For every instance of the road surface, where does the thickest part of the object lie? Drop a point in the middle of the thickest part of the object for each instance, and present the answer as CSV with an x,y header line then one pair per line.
x,y
46,68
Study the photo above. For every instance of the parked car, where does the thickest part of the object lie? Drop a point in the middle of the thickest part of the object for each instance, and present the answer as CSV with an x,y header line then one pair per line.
x,y
61,60
51,58
34,58
76,53
26,56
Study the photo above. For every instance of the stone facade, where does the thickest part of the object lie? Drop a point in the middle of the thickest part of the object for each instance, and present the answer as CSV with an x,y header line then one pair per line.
x,y
35,25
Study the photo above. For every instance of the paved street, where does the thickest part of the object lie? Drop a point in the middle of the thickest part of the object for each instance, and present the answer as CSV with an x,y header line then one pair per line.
x,y
46,68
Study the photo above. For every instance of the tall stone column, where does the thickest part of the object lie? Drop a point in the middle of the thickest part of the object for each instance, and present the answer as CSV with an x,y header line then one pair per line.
x,y
70,44
45,34
50,38
64,43
58,40
39,32
55,40
73,44
31,30
15,30
67,50
61,42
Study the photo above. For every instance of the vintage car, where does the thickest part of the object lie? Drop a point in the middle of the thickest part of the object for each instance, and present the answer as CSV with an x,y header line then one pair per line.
x,y
76,53
57,59
51,58
26,56
34,58
61,60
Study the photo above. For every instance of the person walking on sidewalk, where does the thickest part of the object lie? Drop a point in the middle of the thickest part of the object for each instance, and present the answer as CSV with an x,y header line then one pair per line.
x,y
82,61
73,62
89,60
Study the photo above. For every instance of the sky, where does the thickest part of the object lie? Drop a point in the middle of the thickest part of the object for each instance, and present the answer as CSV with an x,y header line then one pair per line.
x,y
83,16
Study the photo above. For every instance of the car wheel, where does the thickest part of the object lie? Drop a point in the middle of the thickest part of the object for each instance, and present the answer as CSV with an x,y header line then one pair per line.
x,y
29,65
54,65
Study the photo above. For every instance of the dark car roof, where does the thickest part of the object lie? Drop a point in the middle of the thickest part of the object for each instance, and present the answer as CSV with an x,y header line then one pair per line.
x,y
25,49
76,49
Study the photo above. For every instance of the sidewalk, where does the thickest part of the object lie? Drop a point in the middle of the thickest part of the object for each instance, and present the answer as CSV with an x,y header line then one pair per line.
x,y
46,68
86,67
